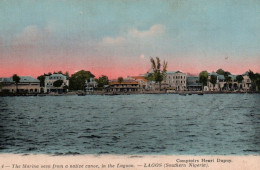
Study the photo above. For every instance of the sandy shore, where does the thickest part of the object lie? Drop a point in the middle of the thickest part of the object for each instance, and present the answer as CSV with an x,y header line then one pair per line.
x,y
43,162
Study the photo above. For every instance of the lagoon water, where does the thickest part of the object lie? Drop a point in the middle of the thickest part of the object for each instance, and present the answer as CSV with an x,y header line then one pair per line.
x,y
169,124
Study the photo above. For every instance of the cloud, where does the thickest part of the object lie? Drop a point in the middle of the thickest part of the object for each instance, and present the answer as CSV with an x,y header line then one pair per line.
x,y
155,30
29,35
110,40
133,35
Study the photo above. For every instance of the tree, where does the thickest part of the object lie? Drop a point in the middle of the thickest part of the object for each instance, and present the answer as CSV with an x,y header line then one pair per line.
x,y
239,78
252,77
213,80
16,79
57,83
101,81
120,80
42,80
149,76
226,74
203,78
158,74
257,76
67,75
77,80
1,86
220,71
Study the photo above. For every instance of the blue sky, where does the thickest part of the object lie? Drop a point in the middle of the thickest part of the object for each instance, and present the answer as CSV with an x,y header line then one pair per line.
x,y
191,35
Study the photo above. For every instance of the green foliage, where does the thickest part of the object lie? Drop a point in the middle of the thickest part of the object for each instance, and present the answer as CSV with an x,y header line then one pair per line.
x,y
77,80
16,78
120,80
228,79
57,83
226,74
158,73
239,78
149,77
220,71
42,80
102,80
203,78
257,75
255,79
213,79
67,75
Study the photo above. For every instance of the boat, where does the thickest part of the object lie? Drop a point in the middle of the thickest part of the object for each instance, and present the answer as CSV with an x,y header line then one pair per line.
x,y
182,94
200,93
81,94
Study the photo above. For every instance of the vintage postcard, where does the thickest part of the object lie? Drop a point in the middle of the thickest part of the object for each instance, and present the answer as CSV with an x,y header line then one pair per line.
x,y
129,84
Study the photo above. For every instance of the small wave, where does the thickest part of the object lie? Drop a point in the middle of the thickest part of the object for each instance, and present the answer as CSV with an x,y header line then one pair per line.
x,y
91,136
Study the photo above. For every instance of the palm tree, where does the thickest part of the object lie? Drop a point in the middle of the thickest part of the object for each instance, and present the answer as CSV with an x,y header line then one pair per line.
x,y
16,79
158,74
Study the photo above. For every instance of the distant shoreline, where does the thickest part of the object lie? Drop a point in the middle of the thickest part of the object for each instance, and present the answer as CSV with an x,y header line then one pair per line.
x,y
125,93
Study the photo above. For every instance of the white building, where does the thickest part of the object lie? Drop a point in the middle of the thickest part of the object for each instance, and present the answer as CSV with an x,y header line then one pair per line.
x,y
176,80
246,82
233,84
27,84
90,85
49,80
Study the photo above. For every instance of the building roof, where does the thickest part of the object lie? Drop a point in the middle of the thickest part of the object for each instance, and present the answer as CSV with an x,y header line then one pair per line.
x,y
125,82
221,77
213,73
27,79
23,79
245,74
55,75
234,77
138,78
173,72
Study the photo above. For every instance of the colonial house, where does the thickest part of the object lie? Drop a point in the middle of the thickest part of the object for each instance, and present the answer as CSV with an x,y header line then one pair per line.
x,y
176,80
220,83
90,85
27,84
49,83
193,84
125,86
246,82
142,82
233,84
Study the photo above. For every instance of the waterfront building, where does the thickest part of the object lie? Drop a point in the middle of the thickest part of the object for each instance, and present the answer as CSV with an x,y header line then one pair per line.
x,y
49,86
125,86
142,82
220,83
90,85
193,84
27,84
246,82
176,80
232,85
